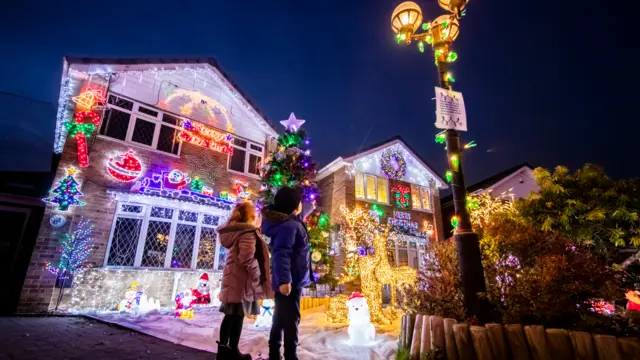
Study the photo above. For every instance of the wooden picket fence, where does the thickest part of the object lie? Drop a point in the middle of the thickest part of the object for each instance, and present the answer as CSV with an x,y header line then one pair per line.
x,y
432,337
307,302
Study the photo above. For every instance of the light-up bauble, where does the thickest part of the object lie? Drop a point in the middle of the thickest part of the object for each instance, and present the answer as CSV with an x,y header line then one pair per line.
x,y
124,167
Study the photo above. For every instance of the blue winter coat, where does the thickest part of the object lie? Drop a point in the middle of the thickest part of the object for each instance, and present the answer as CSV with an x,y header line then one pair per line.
x,y
289,245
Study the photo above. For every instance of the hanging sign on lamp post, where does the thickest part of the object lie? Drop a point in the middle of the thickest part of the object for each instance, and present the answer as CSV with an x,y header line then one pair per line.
x,y
450,112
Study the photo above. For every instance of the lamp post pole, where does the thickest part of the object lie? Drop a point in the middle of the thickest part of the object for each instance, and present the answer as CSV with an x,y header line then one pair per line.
x,y
467,242
440,33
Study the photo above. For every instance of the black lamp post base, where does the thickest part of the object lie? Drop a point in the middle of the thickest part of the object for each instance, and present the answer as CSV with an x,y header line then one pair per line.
x,y
472,274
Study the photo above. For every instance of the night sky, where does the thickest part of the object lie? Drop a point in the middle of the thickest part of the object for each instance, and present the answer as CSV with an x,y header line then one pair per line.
x,y
538,76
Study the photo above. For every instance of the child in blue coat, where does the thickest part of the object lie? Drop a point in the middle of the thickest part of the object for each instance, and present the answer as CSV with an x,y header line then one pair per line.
x,y
290,266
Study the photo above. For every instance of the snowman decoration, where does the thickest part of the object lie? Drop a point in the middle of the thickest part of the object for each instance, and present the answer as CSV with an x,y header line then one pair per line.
x,y
137,301
361,330
265,318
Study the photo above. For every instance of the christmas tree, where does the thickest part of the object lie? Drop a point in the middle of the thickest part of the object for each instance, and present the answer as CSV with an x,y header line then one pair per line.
x,y
321,256
290,164
67,193
74,251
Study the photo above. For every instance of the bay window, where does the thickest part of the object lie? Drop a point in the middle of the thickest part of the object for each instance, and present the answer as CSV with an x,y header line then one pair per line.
x,y
154,235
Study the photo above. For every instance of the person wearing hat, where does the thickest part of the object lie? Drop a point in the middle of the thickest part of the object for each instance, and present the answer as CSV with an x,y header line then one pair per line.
x,y
291,266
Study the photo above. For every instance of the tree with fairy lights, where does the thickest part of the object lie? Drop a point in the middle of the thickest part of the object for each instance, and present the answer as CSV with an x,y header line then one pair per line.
x,y
67,193
290,164
322,259
73,254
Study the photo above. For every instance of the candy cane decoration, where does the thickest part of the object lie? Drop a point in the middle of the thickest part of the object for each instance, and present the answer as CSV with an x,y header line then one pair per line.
x,y
82,131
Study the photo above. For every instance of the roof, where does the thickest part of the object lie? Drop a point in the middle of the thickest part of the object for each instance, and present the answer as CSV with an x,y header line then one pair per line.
x,y
372,148
171,60
490,181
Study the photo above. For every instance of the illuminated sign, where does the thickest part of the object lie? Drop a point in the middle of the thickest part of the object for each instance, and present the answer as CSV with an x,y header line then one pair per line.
x,y
206,137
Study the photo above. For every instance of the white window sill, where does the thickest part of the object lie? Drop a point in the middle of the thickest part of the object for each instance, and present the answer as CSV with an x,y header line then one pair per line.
x,y
373,201
136,145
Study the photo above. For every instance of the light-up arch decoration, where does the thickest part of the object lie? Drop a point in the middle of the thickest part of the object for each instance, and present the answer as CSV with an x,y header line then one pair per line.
x,y
196,101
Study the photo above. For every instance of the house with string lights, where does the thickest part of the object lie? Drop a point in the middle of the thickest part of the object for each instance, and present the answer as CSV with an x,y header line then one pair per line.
x,y
153,154
392,180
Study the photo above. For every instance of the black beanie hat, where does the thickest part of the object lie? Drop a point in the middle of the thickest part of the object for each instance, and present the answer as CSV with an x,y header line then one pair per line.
x,y
287,199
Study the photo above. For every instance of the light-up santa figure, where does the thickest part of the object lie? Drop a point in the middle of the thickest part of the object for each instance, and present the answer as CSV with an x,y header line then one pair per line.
x,y
361,330
195,296
202,291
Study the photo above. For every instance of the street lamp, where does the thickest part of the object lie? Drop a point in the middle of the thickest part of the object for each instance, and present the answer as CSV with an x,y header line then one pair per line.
x,y
440,34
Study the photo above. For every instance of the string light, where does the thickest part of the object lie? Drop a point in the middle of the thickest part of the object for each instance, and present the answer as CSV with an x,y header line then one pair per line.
x,y
101,289
449,176
453,56
67,193
392,164
455,162
402,195
198,134
470,145
441,137
450,77
75,248
74,78
81,132
126,169
363,231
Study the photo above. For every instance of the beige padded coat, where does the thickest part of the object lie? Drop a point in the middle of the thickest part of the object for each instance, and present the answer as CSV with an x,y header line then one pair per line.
x,y
247,274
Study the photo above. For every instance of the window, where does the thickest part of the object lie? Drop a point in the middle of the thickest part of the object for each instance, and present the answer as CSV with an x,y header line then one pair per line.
x,y
129,121
420,197
372,188
246,157
150,236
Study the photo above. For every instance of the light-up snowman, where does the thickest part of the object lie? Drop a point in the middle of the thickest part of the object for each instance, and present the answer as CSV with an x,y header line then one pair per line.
x,y
361,330
265,318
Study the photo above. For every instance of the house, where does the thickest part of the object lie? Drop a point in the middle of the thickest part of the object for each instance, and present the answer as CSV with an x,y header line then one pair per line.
x,y
393,180
153,153
517,180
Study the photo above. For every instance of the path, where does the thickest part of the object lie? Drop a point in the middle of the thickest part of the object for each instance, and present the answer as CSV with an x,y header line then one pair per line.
x,y
81,338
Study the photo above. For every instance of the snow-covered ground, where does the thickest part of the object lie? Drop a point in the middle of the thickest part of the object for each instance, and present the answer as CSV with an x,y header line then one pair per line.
x,y
318,338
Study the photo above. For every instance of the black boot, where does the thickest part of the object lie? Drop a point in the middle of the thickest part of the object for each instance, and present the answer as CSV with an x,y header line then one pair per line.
x,y
224,352
237,355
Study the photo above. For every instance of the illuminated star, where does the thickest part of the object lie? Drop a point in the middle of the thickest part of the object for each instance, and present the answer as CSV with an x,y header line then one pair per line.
x,y
205,166
292,123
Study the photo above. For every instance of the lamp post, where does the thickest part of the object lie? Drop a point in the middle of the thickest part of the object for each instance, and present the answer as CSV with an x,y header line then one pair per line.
x,y
406,21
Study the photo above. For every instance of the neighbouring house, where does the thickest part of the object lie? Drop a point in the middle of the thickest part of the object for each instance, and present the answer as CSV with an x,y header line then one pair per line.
x,y
154,153
391,179
517,181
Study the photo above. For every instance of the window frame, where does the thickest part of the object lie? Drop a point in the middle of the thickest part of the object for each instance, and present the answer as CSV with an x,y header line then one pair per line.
x,y
429,198
145,216
134,115
248,152
364,187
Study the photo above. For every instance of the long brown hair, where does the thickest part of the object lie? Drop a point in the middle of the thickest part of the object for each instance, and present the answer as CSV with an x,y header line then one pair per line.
x,y
244,212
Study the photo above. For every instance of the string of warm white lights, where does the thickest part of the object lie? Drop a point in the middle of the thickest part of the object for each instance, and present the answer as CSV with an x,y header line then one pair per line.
x,y
74,78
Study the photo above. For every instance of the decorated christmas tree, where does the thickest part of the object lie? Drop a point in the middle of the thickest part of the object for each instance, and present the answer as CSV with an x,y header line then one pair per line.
x,y
322,259
67,193
73,254
290,164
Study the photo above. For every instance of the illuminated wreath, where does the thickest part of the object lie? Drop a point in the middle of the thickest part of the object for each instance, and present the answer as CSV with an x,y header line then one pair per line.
x,y
392,164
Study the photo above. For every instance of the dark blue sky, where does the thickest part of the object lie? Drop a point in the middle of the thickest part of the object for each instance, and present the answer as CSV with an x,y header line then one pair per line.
x,y
536,75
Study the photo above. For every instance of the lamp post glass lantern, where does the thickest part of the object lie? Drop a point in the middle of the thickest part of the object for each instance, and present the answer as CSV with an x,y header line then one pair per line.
x,y
440,34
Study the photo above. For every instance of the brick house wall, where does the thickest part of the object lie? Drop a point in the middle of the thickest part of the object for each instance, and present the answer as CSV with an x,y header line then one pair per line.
x,y
338,189
39,292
